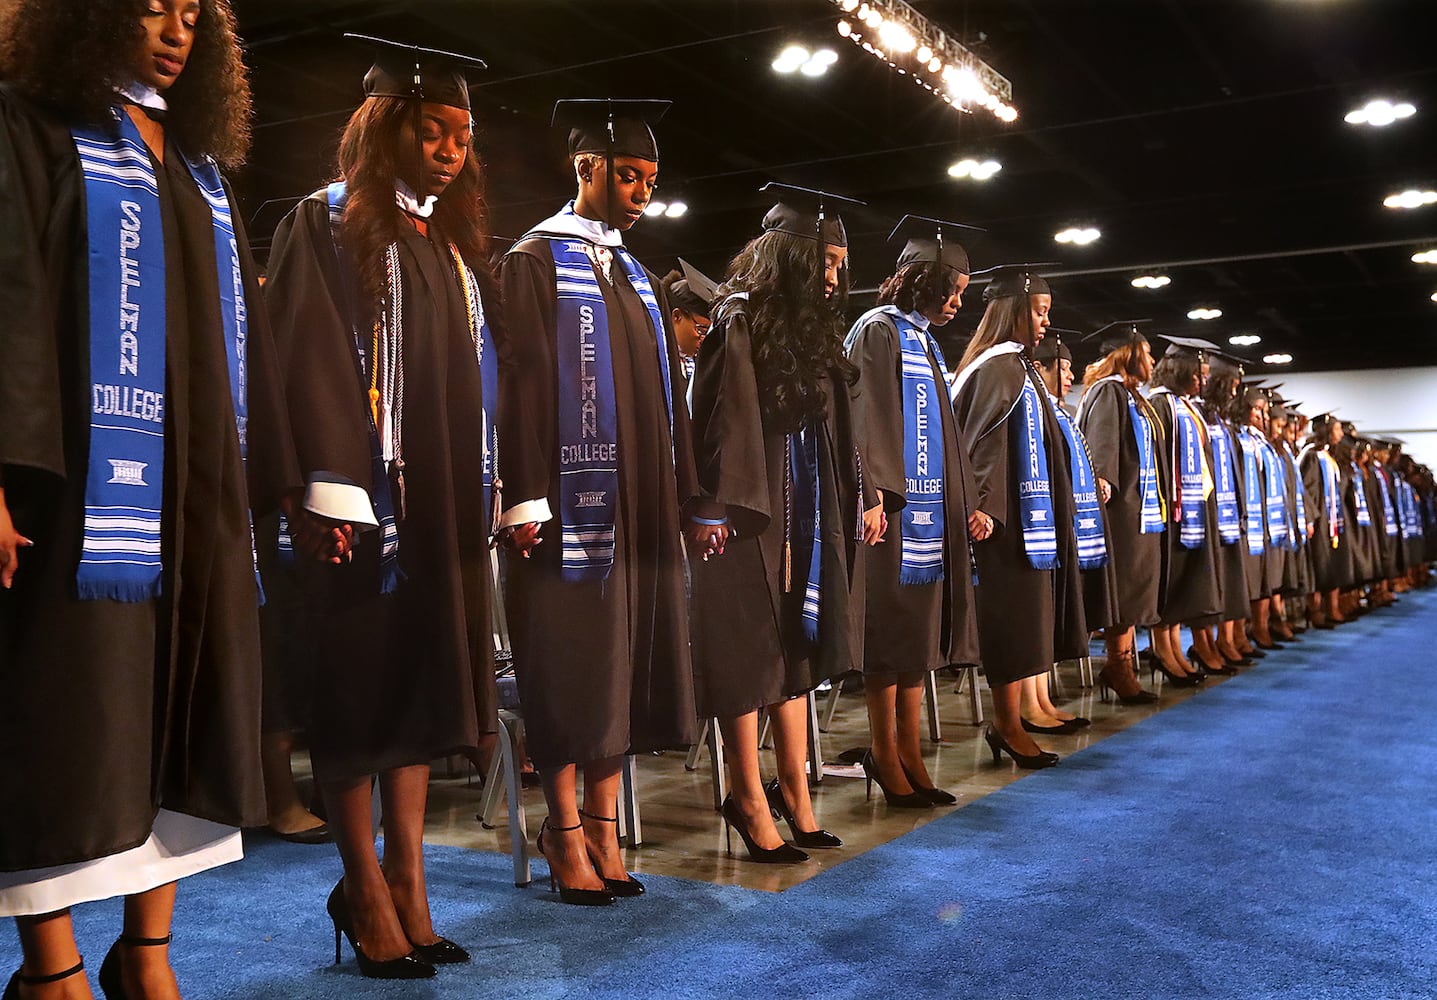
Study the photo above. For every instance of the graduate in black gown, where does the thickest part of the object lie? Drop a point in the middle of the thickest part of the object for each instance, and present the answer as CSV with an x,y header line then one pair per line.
x,y
129,647
1326,512
390,260
921,613
1191,593
1250,416
777,542
690,293
597,612
1030,596
1354,453
1124,440
1284,578
1380,489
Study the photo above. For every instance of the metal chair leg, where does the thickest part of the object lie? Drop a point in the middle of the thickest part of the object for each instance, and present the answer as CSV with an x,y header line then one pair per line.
x,y
930,695
720,776
629,826
975,695
511,732
830,707
691,762
815,745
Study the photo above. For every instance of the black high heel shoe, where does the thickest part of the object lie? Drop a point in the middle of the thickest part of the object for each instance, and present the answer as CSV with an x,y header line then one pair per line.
x,y
574,897
1033,762
627,887
1107,692
110,982
783,854
409,966
935,795
1177,680
441,952
1269,646
910,800
1226,668
1061,729
820,839
12,988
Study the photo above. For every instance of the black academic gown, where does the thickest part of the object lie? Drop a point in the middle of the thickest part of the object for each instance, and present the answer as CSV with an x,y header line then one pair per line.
x,y
1028,618
1296,571
1136,558
603,667
1232,557
749,646
1191,590
1254,565
114,710
1381,517
1364,536
405,677
1331,558
920,626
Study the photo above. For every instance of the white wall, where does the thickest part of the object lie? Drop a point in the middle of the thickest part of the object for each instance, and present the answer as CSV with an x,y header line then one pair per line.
x,y
1395,402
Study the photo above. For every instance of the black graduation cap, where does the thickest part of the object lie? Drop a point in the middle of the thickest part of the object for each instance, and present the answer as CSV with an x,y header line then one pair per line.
x,y
805,212
694,292
1223,363
940,247
417,72
1051,347
1118,334
1178,346
1012,280
611,126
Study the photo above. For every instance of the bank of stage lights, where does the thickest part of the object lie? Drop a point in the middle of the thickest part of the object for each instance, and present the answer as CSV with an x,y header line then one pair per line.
x,y
893,31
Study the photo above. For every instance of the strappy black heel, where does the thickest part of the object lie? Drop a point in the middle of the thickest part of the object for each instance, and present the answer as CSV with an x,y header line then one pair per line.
x,y
12,988
574,897
628,886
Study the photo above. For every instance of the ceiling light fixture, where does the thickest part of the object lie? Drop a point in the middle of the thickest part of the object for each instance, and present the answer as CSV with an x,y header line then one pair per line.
x,y
974,169
1203,312
1425,257
797,59
1380,113
912,44
656,207
1410,199
1081,237
1244,339
1277,359
675,210
1152,281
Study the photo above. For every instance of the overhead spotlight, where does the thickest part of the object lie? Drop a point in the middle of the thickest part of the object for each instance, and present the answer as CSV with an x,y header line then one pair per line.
x,y
923,54
1244,339
1410,199
791,59
1425,257
675,210
1277,359
1203,312
974,169
935,65
897,38
1081,237
656,207
1434,296
849,5
845,29
1151,281
1380,113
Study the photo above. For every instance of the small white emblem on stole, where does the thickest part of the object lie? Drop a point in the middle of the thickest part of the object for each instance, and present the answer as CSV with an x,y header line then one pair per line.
x,y
1040,515
922,517
127,472
595,499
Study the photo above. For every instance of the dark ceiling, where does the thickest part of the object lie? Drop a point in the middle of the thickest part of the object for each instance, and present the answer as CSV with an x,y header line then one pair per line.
x,y
1204,138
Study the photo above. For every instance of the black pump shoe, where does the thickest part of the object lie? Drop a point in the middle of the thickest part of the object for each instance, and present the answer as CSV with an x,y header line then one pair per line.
x,y
910,800
626,887
1107,692
935,795
12,988
441,952
783,854
1226,668
1034,762
409,966
812,839
1177,680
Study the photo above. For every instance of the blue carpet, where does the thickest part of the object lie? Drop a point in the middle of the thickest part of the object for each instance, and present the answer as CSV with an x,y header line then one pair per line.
x,y
1273,837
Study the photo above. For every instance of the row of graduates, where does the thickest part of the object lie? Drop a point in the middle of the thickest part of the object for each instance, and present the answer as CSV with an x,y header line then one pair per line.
x,y
404,406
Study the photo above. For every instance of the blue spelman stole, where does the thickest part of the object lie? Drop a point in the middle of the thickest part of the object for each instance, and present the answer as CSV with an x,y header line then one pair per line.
x,y
1299,530
923,456
803,451
379,492
1224,473
1274,494
1252,490
1389,513
488,362
1189,504
1035,491
1331,493
124,485
1359,495
1088,510
1151,514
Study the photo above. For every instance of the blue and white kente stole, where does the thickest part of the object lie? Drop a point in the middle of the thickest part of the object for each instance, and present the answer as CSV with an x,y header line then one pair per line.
x,y
1252,490
1359,495
1389,513
1331,495
488,361
1224,474
1151,514
1088,509
1189,506
807,522
1299,530
1274,494
124,485
1035,490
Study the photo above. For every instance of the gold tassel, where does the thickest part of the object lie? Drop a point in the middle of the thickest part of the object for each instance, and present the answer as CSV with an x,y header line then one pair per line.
x,y
787,566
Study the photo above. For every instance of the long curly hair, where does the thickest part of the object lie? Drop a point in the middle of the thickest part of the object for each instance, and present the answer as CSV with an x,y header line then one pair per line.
x,y
379,134
69,55
1178,373
797,334
918,287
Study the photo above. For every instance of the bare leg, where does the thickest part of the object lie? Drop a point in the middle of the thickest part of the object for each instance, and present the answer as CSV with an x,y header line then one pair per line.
x,y
1045,701
405,791
601,798
790,744
287,813
377,929
1209,652
1333,614
145,969
1008,718
1032,706
48,943
1167,647
740,738
910,729
880,691
566,851
1261,632
1239,637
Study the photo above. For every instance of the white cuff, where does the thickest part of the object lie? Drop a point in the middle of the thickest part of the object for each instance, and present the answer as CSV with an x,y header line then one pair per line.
x,y
336,499
524,513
